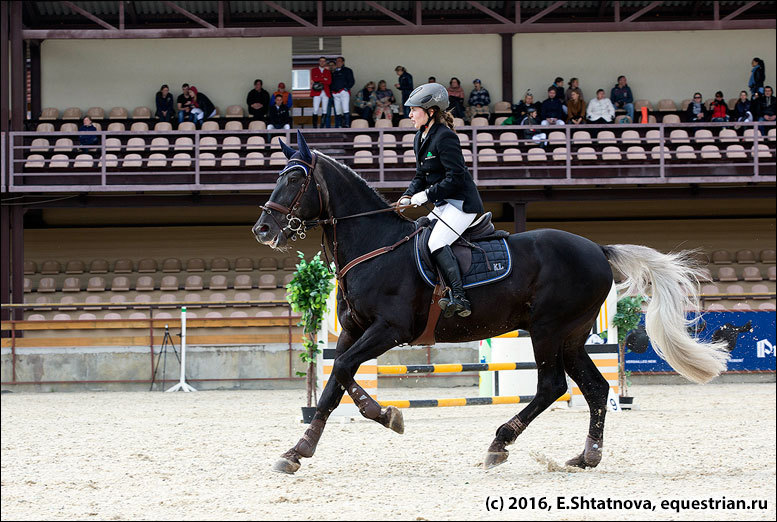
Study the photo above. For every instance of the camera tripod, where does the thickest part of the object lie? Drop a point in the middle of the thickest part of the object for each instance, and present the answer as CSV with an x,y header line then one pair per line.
x,y
167,340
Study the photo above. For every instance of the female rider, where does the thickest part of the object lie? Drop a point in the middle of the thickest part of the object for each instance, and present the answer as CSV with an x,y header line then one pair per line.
x,y
442,178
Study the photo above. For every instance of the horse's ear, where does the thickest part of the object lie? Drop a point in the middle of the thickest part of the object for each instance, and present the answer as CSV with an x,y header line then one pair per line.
x,y
287,151
303,147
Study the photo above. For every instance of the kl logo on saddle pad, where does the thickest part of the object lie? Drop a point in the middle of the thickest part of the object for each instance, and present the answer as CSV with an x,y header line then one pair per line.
x,y
498,266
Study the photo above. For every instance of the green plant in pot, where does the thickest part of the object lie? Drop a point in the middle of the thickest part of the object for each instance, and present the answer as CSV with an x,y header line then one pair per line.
x,y
626,318
307,293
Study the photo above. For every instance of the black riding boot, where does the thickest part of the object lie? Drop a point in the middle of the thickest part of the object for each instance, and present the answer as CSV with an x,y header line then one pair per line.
x,y
315,121
456,302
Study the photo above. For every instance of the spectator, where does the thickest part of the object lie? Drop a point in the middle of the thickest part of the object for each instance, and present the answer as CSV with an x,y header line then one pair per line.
x,y
621,97
574,86
757,76
742,111
431,79
719,108
384,97
185,104
366,100
479,100
521,110
767,105
533,133
88,141
696,111
342,83
575,109
320,80
278,116
558,85
258,101
552,109
165,108
203,107
286,95
404,84
456,98
600,109
327,123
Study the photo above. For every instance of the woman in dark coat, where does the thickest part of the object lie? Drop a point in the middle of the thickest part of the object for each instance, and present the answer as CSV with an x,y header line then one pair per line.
x,y
165,110
443,179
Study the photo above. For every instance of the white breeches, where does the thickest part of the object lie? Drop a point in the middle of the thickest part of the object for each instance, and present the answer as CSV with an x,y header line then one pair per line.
x,y
342,100
457,222
320,103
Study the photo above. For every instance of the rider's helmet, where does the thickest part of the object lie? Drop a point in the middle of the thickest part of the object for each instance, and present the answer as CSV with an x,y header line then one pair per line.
x,y
428,95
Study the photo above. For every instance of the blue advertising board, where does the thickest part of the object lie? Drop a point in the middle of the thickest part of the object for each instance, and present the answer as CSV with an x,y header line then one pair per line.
x,y
750,336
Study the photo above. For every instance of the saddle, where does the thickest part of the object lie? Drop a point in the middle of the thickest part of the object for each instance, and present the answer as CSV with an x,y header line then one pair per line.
x,y
487,263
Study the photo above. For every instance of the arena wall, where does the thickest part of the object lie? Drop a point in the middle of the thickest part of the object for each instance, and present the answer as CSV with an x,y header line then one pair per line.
x,y
128,73
666,64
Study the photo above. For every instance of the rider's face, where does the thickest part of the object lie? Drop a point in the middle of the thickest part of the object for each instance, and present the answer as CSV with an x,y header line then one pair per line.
x,y
418,116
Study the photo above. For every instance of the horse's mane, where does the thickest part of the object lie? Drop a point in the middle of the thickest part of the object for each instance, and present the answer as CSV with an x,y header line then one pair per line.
x,y
345,169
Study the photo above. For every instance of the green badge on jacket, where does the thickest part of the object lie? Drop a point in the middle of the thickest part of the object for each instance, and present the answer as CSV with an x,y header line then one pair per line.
x,y
428,154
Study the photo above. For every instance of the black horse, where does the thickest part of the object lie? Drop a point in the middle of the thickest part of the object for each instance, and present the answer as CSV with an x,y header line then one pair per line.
x,y
554,291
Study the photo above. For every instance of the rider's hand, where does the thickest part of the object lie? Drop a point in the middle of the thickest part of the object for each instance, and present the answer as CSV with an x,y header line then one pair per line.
x,y
403,201
419,198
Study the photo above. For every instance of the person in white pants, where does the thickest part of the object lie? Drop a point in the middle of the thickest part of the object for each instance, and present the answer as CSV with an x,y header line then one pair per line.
x,y
442,178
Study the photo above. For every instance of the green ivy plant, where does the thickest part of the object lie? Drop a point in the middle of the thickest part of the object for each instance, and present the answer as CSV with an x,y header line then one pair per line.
x,y
307,293
626,318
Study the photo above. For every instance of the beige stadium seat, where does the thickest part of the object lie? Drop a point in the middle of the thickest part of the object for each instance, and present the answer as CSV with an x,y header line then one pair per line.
x,y
142,300
671,118
243,282
289,263
133,160
684,104
141,113
762,151
512,155
275,142
383,124
230,159
268,264
217,282
63,145
139,126
244,264
581,137
408,157
500,120
536,154
233,126
727,273
209,125
390,157
752,273
217,301
467,153
638,104
749,134
71,284
502,107
263,313
34,161
586,154
146,266
187,126
163,126
408,140
144,284
458,122
405,123
208,143
96,113
630,137
268,281
479,121
165,300
195,264
389,140
98,266
557,137
721,257
667,105
736,151
287,279
219,264
653,136
254,159
69,127
768,256
508,138
83,161
172,265
258,125
559,154
710,152
759,289
30,267
234,111
71,113
47,285
685,152
232,143
709,291
120,284
193,283
484,139
463,139
636,153
44,127
96,284
238,314
772,134
136,145
679,136
277,158
362,141
49,113
703,136
255,143
59,161
605,136
39,145
362,157
27,285
113,144
169,283
118,113
611,153
124,266
50,267
182,160
360,123
159,145
184,143
241,296
116,126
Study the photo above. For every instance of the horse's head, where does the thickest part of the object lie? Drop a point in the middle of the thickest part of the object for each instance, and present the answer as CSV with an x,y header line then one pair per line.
x,y
295,199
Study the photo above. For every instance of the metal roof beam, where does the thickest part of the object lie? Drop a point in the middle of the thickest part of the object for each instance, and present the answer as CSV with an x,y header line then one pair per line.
x,y
90,16
389,13
739,11
642,11
188,15
542,13
288,13
489,12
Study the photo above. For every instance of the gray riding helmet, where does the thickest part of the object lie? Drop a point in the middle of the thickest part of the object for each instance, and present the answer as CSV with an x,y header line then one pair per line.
x,y
428,95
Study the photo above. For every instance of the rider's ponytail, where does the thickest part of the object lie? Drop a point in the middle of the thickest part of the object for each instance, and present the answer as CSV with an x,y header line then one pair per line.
x,y
442,117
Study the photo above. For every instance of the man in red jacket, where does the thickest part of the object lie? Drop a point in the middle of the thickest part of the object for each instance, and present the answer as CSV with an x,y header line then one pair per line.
x,y
320,80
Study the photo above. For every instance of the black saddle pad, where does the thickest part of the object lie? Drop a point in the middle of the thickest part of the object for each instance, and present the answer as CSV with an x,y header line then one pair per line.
x,y
481,269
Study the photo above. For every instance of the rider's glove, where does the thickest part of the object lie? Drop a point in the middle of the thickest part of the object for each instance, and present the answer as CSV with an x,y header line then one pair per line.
x,y
419,198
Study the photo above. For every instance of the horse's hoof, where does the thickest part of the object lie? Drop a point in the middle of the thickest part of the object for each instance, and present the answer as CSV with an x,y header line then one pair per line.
x,y
286,465
396,421
576,462
584,461
493,459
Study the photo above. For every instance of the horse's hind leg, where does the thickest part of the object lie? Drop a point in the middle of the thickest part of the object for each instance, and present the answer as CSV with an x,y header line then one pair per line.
x,y
595,389
551,384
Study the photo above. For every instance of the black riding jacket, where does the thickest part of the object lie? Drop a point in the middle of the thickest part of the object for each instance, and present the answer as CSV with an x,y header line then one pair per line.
x,y
440,168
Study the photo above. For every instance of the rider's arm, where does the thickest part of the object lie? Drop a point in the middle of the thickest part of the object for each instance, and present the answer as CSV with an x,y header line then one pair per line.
x,y
449,152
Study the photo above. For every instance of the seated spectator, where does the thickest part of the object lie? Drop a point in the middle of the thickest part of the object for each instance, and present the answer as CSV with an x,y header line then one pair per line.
x,y
574,86
384,97
552,109
575,109
479,100
621,97
366,101
203,107
431,79
88,141
185,104
278,116
521,110
600,109
558,85
165,109
767,105
696,110
533,133
287,101
456,98
757,76
742,110
719,108
258,101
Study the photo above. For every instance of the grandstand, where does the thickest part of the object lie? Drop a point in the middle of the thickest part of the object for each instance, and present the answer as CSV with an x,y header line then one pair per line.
x,y
157,214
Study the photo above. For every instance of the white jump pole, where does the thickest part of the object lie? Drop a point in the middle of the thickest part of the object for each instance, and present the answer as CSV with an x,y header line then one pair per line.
x,y
182,386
